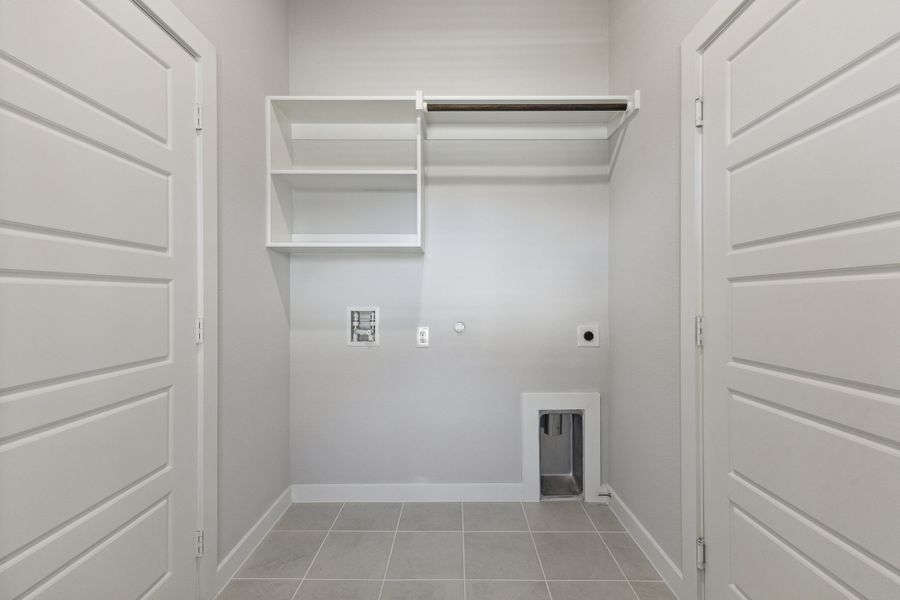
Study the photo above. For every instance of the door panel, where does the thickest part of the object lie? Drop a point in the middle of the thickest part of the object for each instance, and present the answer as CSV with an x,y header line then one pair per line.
x,y
789,576
76,457
797,324
88,177
801,279
84,49
771,58
809,454
123,322
98,297
801,188
873,413
833,555
138,552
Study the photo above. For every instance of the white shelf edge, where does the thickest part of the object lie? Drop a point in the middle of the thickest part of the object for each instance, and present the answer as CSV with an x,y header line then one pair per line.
x,y
523,99
355,238
295,249
350,243
525,174
351,172
619,98
342,98
517,132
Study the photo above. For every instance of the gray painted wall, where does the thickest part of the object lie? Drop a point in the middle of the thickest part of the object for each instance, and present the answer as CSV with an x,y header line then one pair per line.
x,y
644,410
373,47
522,263
251,40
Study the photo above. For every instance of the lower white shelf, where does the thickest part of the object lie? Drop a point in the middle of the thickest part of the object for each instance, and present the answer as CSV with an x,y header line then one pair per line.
x,y
381,242
348,179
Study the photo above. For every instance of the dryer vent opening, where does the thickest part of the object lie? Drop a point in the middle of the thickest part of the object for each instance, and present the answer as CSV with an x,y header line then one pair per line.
x,y
562,454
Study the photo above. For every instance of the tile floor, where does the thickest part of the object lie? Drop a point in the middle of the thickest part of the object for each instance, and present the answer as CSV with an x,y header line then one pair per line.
x,y
447,551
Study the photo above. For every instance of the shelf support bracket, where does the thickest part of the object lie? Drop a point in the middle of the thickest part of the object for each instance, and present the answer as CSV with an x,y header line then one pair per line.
x,y
634,106
420,113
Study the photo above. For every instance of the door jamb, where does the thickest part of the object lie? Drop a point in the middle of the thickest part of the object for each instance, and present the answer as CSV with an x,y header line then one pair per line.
x,y
719,16
177,25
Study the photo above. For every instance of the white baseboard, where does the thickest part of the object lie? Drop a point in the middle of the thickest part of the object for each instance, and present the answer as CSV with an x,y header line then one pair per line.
x,y
667,568
602,497
244,548
407,492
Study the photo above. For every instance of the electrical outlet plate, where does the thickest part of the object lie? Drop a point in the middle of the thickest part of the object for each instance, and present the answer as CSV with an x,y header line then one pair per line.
x,y
588,330
422,337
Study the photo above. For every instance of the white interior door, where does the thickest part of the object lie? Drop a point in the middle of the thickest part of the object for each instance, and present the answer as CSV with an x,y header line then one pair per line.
x,y
801,197
98,298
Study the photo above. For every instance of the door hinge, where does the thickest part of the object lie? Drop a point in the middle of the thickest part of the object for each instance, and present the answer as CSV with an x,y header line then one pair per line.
x,y
200,543
198,331
701,553
698,113
198,116
698,331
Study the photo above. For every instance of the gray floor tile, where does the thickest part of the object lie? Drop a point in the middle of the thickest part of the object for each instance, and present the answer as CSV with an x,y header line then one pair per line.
x,y
557,516
651,590
591,590
339,590
422,590
630,557
308,517
603,517
501,556
426,555
575,556
353,555
507,590
283,554
494,516
431,516
259,589
368,516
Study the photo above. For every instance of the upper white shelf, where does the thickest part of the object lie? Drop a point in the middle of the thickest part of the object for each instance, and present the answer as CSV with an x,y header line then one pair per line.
x,y
527,117
346,109
348,173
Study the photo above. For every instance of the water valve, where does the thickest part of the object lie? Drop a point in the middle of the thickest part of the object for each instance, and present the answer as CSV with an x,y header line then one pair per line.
x,y
362,326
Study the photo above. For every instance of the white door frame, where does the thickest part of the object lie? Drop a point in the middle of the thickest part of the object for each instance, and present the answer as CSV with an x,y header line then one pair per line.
x,y
195,43
694,45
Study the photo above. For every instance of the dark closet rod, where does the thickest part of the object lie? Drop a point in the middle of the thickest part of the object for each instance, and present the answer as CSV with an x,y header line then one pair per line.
x,y
609,106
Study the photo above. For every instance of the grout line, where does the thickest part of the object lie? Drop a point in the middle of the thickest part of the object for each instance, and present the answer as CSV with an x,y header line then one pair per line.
x,y
462,526
536,553
592,530
608,549
316,555
391,553
432,579
265,579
